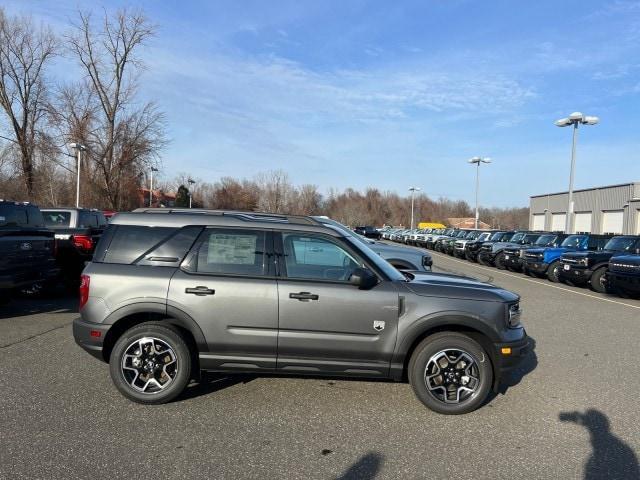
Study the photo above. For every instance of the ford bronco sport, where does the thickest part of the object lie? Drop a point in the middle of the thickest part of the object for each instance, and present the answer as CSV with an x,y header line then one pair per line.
x,y
170,293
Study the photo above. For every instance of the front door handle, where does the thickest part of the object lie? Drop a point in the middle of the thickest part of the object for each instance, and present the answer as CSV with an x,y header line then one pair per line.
x,y
200,290
304,296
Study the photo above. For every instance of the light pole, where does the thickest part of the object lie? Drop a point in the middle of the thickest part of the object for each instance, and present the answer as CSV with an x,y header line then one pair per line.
x,y
80,148
413,190
191,182
153,169
477,161
575,119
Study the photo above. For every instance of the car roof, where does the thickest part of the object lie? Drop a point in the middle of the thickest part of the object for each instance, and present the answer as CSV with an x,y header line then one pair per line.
x,y
180,217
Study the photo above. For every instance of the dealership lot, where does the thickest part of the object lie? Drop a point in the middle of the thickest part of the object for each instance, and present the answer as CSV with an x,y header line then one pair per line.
x,y
62,418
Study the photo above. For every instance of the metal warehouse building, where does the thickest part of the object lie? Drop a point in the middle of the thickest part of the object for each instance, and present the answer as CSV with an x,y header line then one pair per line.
x,y
611,209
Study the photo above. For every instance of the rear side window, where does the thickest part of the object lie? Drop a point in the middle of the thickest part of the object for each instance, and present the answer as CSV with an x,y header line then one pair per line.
x,y
597,243
129,242
57,219
87,220
235,252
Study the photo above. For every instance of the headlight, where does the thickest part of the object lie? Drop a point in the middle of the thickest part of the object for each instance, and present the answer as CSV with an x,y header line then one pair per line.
x,y
584,262
515,313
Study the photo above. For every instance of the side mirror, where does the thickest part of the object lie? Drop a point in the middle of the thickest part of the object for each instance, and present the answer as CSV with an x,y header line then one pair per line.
x,y
363,278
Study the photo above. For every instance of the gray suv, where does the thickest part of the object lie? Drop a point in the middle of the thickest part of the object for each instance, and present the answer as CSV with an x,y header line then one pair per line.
x,y
171,293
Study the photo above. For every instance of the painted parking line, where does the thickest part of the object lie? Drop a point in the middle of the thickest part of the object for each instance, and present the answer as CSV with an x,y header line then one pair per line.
x,y
526,279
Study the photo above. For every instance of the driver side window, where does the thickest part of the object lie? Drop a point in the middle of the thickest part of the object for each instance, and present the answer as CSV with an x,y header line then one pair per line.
x,y
316,258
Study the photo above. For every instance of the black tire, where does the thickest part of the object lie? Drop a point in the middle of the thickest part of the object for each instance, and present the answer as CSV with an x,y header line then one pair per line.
x,y
553,272
440,342
171,337
598,279
499,262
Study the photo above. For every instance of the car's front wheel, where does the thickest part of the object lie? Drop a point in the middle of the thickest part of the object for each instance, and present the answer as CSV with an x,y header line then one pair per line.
x,y
500,262
553,272
599,281
450,373
150,363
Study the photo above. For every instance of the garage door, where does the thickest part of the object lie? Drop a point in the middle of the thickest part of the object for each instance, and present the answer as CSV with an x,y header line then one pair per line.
x,y
612,221
582,222
558,221
538,221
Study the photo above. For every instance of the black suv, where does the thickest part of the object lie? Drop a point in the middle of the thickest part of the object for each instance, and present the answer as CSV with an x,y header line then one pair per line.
x,y
173,292
471,249
494,253
77,233
623,276
369,232
590,267
27,249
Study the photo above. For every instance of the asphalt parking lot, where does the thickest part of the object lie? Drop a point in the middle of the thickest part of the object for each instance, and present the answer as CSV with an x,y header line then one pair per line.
x,y
571,412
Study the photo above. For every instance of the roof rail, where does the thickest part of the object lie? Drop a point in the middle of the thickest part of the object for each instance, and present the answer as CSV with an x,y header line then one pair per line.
x,y
243,215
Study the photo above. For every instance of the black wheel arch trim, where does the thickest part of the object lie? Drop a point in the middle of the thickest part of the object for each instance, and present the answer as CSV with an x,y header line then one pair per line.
x,y
442,321
173,315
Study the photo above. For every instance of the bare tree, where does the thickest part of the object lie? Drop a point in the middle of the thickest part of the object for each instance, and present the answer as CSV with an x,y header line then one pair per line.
x,y
122,137
24,54
275,191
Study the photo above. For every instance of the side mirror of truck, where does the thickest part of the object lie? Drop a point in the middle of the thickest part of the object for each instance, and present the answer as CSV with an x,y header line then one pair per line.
x,y
363,278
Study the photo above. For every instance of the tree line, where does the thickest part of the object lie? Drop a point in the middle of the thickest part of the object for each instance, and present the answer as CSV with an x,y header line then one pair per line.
x,y
274,192
41,115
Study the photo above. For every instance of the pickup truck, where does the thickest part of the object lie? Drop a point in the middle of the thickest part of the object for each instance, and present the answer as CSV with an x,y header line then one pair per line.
x,y
77,231
27,249
546,261
368,231
590,267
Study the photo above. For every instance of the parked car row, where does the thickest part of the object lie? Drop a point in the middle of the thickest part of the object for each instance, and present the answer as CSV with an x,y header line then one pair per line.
x,y
42,248
606,263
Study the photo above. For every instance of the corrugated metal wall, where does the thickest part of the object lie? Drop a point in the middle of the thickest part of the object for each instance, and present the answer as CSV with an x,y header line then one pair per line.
x,y
595,200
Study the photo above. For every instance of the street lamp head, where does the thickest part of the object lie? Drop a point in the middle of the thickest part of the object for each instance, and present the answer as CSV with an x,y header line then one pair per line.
x,y
154,169
414,189
563,122
590,120
78,146
576,117
486,160
190,181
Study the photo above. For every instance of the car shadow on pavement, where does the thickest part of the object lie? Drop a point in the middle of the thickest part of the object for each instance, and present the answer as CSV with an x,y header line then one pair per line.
x,y
22,306
211,382
611,458
515,376
366,468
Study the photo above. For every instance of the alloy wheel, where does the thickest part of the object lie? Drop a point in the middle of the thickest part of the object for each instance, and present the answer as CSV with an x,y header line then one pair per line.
x,y
452,376
149,365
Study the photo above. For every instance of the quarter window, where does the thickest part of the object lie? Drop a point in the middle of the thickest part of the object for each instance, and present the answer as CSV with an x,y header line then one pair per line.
x,y
318,258
235,252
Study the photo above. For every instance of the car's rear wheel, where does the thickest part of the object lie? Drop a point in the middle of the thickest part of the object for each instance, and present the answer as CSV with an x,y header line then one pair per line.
x,y
553,272
450,373
598,280
150,363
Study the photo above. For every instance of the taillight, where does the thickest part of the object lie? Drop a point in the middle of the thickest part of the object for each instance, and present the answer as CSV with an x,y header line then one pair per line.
x,y
84,290
83,242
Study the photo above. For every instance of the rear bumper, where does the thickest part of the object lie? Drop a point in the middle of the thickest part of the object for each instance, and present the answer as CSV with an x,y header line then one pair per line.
x,y
28,277
627,282
90,336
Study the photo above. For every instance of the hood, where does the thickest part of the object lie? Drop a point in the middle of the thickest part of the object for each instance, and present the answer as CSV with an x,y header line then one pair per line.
x,y
380,247
626,259
590,254
502,245
429,284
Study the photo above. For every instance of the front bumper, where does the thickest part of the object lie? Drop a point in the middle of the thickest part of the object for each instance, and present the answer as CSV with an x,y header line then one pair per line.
x,y
536,267
513,260
628,282
575,274
488,257
90,336
505,362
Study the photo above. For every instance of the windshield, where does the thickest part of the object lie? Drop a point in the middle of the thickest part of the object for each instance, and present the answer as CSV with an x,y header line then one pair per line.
x,y
573,241
57,219
376,259
473,235
496,237
516,238
621,244
545,240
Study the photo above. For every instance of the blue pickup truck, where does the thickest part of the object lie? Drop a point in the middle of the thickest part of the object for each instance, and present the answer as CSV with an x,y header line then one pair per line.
x,y
546,261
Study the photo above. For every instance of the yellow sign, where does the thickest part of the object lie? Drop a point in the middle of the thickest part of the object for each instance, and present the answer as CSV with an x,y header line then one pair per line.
x,y
430,225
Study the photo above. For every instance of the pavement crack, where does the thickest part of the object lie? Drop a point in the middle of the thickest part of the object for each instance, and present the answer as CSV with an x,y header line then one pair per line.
x,y
2,347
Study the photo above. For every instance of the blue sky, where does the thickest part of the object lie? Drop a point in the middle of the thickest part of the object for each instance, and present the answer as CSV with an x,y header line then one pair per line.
x,y
391,94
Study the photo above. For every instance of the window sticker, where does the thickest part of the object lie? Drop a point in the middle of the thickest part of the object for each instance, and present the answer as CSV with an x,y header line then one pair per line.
x,y
232,249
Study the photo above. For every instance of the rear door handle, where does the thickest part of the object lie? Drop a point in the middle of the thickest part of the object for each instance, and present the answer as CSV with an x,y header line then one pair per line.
x,y
200,291
302,296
